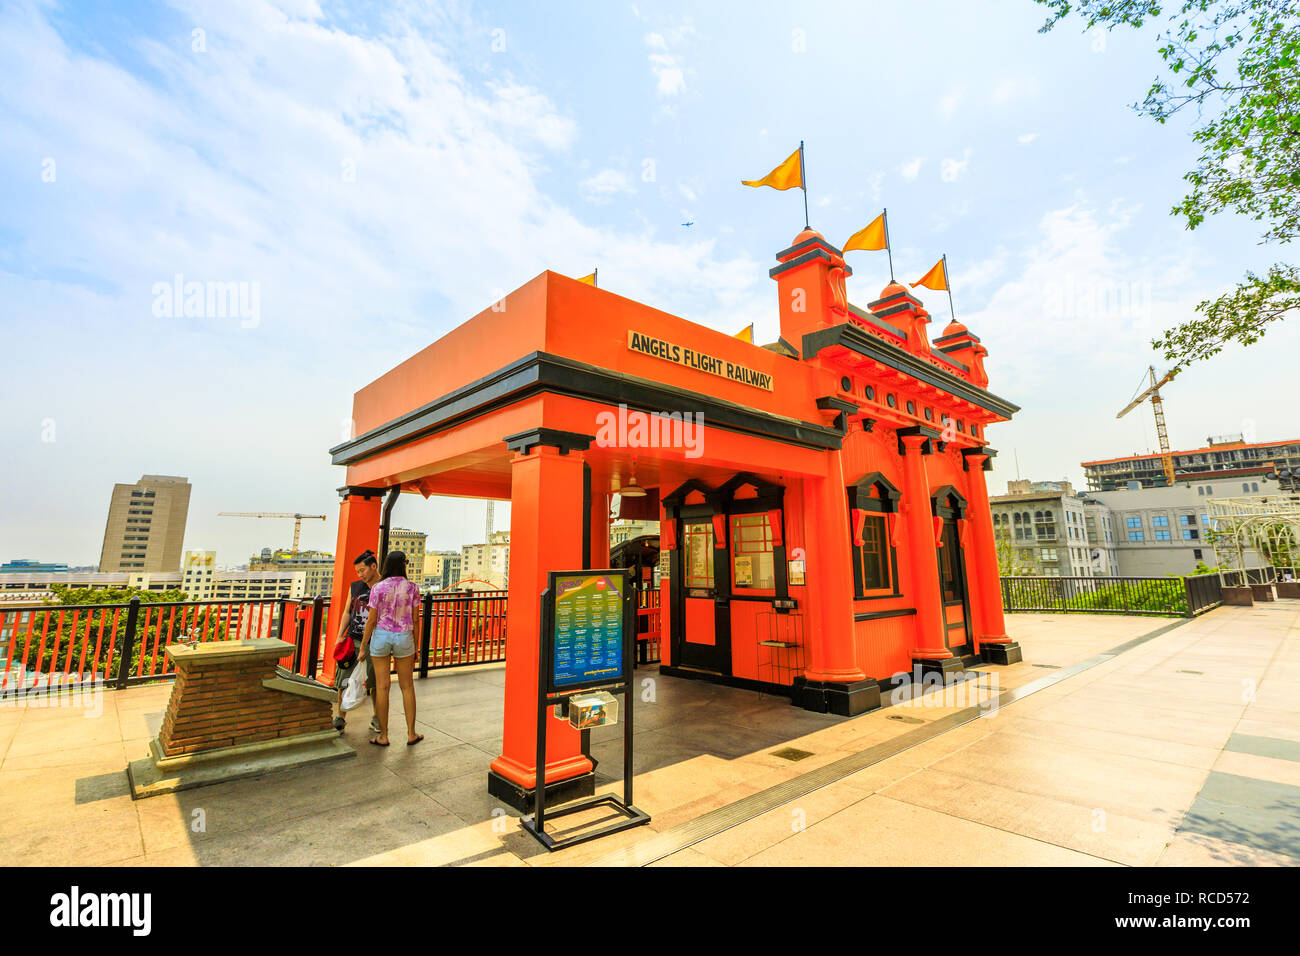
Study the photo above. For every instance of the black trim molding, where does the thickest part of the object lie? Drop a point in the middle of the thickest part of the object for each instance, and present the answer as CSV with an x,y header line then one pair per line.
x,y
543,373
855,339
524,442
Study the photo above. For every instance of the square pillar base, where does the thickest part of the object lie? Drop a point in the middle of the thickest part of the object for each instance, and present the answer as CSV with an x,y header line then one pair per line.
x,y
949,669
1001,653
521,798
830,697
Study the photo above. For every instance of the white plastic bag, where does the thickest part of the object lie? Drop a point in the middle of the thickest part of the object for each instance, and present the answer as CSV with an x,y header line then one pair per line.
x,y
354,690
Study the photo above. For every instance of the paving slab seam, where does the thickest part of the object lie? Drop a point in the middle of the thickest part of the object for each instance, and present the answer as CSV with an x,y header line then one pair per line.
x,y
724,818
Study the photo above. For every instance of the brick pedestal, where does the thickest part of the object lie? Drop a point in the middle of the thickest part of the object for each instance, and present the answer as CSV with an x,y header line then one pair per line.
x,y
233,713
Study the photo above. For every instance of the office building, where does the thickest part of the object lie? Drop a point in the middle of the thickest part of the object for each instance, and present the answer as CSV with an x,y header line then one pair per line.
x,y
1225,456
441,569
146,525
1045,528
317,566
24,566
487,563
411,543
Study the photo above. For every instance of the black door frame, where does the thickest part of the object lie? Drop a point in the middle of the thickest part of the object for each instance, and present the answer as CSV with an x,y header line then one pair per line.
x,y
677,511
949,505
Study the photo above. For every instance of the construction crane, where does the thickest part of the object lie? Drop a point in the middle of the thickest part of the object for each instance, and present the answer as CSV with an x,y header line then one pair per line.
x,y
297,519
1157,406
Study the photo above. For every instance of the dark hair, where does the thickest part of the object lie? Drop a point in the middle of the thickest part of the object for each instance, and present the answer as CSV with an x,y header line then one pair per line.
x,y
395,564
366,557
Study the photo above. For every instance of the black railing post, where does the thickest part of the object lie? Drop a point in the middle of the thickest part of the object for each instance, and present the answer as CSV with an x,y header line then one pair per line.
x,y
426,630
128,643
284,613
313,636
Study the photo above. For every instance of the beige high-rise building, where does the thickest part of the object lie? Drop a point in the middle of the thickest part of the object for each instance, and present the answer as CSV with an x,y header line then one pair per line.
x,y
146,525
412,543
489,563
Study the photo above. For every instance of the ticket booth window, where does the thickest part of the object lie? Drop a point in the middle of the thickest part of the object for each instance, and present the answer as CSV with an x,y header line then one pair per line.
x,y
699,555
873,503
873,558
752,557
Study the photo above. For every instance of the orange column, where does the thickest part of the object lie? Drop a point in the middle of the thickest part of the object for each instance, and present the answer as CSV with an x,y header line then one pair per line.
x,y
599,528
931,650
359,515
990,624
829,614
546,512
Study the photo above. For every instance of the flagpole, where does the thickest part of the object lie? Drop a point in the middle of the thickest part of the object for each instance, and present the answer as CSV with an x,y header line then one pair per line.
x,y
888,248
803,183
947,280
595,279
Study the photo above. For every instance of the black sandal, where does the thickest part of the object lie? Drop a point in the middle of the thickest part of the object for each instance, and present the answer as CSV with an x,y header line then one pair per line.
x,y
375,741
418,738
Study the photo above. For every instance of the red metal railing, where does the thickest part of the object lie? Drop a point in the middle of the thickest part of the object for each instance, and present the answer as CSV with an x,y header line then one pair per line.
x,y
462,628
649,625
124,644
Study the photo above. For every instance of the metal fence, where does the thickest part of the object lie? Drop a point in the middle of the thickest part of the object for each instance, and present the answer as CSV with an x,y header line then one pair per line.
x,y
1241,578
125,644
1166,597
122,645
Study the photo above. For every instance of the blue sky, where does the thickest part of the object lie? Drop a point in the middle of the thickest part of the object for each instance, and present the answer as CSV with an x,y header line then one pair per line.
x,y
381,173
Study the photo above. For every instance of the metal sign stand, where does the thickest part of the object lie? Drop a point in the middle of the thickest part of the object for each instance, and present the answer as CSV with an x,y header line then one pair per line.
x,y
549,695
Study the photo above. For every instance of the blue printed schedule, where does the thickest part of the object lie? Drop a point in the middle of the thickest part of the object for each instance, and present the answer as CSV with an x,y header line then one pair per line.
x,y
588,629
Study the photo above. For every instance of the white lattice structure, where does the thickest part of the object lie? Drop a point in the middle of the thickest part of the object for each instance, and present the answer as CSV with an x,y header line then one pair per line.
x,y
1268,525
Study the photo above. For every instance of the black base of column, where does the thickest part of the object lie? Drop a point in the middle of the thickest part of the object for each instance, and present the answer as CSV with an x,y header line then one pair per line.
x,y
948,668
1001,653
521,798
830,697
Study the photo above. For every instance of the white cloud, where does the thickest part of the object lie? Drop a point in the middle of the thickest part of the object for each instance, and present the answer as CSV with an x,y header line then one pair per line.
x,y
950,170
911,169
606,184
1024,139
949,102
665,63
379,196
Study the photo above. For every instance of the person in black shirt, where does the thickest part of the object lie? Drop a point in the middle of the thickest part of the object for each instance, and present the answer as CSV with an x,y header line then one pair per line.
x,y
353,624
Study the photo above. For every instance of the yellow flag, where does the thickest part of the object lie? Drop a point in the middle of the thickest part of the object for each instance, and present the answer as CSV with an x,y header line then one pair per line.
x,y
936,278
589,280
870,238
746,334
786,176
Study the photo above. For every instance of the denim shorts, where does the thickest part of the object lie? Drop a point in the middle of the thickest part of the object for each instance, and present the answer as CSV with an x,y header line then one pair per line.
x,y
397,643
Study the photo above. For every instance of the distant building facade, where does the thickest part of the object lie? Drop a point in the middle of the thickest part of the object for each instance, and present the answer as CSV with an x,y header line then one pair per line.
x,y
410,543
317,566
24,566
1133,531
625,529
488,562
1050,530
1227,456
145,530
198,578
441,569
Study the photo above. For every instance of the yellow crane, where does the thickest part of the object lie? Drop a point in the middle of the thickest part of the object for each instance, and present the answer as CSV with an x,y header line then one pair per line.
x,y
297,519
1157,406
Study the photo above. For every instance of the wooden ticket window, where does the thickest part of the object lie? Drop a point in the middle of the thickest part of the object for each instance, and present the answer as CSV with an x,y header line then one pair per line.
x,y
756,552
729,547
873,513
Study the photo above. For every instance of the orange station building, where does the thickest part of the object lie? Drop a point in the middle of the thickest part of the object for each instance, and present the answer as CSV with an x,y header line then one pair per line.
x,y
823,507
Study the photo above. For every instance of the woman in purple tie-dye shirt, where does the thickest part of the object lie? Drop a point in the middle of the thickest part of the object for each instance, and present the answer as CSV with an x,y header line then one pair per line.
x,y
390,632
